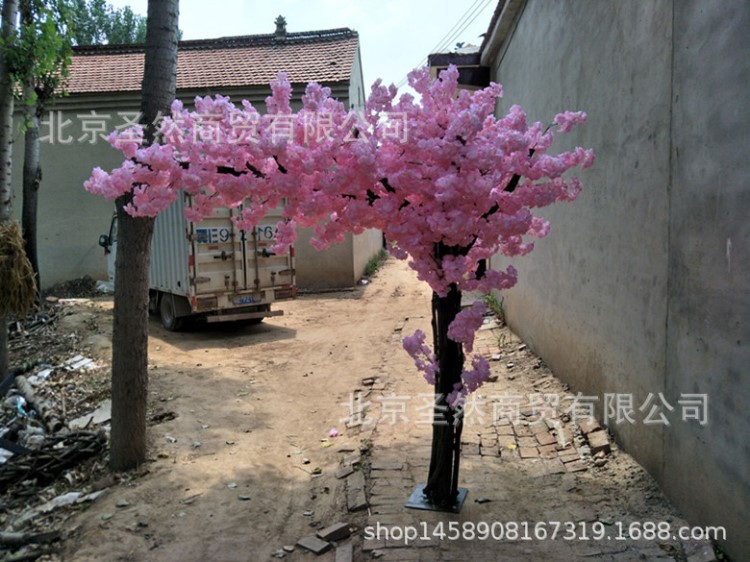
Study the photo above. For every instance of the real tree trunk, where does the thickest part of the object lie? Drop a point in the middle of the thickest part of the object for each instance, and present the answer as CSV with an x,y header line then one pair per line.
x,y
442,481
32,177
9,11
130,329
130,340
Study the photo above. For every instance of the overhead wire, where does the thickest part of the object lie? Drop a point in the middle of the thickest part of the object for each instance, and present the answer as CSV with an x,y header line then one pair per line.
x,y
455,31
448,37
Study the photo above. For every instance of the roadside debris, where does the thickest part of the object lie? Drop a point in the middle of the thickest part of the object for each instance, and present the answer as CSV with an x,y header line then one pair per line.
x,y
53,427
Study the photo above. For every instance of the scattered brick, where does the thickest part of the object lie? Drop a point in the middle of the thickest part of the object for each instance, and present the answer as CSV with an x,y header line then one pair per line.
x,y
546,438
345,553
352,459
569,456
538,427
489,441
335,532
548,451
493,451
564,436
356,499
523,431
528,452
576,466
471,449
505,430
528,442
344,471
589,425
599,441
314,544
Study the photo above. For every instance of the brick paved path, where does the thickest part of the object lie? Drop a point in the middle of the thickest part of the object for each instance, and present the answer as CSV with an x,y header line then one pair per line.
x,y
528,461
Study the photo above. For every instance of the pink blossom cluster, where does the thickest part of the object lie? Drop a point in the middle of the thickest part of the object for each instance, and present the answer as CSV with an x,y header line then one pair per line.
x,y
466,323
422,355
465,180
470,381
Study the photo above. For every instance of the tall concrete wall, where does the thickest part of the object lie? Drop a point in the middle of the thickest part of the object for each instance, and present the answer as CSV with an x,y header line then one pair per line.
x,y
69,218
366,246
339,266
643,286
707,472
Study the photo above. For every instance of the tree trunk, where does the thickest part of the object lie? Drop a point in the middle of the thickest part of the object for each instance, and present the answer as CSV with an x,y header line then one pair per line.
x,y
130,340
130,328
160,71
442,481
9,11
32,177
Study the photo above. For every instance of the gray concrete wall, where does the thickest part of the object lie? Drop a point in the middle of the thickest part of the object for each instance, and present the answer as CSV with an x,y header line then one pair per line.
x,y
71,219
707,470
341,265
598,283
327,269
366,245
643,285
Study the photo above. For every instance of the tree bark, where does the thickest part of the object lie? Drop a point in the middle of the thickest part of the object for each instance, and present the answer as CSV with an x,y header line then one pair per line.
x,y
130,340
7,31
32,171
442,480
130,328
32,177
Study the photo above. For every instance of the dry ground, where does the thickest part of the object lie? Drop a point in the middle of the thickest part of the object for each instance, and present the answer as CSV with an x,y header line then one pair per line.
x,y
240,458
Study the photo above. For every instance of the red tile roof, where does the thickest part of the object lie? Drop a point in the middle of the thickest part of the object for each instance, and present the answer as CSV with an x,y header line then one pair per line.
x,y
249,60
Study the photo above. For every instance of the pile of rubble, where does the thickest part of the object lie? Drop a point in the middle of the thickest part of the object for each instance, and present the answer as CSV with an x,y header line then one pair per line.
x,y
336,535
52,444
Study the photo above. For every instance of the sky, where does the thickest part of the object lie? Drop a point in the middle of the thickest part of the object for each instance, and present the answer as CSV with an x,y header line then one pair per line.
x,y
395,35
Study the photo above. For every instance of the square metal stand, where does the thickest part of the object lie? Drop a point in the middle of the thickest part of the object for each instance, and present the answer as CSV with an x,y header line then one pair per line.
x,y
418,500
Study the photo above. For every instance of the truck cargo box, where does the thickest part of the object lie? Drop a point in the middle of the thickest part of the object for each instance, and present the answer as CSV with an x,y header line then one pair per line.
x,y
212,270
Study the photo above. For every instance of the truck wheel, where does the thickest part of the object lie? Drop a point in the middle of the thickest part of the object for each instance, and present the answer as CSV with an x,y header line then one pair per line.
x,y
167,314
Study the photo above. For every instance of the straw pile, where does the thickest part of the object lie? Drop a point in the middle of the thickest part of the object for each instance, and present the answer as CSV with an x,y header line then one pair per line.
x,y
17,281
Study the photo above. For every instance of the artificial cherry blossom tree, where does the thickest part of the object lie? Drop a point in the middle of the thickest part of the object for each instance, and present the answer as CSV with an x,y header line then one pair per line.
x,y
447,182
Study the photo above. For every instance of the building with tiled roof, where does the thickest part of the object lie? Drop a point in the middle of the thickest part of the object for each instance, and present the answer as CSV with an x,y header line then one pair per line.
x,y
103,94
330,56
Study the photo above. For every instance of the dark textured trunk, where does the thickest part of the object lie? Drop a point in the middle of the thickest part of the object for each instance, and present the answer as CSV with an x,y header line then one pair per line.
x,y
32,177
442,481
10,9
130,340
130,329
9,12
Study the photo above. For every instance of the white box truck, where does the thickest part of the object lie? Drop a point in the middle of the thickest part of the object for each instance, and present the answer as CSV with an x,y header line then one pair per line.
x,y
212,270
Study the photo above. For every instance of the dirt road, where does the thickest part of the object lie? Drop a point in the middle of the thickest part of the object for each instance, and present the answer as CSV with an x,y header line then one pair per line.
x,y
243,463
253,406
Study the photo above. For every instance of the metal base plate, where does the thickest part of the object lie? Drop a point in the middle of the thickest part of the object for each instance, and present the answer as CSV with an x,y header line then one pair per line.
x,y
418,500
